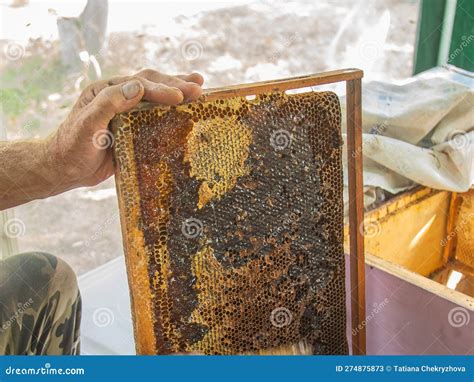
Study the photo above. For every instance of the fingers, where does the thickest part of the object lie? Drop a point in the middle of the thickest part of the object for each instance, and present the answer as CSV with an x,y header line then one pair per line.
x,y
161,93
158,87
193,77
155,91
188,84
113,100
89,93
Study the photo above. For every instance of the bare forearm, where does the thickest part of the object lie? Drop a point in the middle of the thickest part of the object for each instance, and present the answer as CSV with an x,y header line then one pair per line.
x,y
28,172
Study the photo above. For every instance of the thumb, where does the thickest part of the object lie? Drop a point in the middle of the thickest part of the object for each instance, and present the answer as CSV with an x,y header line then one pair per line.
x,y
115,99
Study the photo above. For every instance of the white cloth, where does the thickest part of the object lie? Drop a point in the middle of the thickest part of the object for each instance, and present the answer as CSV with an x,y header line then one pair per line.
x,y
106,326
418,132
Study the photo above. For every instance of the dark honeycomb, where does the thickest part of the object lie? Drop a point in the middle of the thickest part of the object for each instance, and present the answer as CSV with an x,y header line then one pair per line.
x,y
232,215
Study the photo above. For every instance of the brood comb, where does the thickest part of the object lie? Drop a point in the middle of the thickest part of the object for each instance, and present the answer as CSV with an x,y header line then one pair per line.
x,y
232,218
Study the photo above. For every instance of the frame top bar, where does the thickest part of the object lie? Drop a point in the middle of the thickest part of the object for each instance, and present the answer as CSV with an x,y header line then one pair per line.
x,y
282,84
279,85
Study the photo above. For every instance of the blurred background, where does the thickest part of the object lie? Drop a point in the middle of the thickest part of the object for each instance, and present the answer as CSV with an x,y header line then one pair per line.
x,y
52,50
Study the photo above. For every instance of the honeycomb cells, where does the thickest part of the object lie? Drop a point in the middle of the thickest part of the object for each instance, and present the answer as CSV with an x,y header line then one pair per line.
x,y
232,216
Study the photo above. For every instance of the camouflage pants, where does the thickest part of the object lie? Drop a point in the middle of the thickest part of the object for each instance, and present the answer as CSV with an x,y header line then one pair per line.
x,y
40,306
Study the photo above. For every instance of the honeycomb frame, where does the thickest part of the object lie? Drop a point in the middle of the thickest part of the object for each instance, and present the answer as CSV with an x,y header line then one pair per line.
x,y
242,280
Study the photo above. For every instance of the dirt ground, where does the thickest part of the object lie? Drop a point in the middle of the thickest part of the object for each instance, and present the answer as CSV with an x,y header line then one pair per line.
x,y
254,41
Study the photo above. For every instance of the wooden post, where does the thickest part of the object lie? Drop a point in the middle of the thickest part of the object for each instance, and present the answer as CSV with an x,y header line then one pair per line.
x,y
356,214
450,235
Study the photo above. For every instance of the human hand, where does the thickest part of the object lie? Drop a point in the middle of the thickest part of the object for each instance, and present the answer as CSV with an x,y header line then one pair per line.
x,y
79,149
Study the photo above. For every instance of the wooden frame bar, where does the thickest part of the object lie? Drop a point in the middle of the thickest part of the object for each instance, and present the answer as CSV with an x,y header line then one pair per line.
x,y
282,84
352,77
450,227
356,213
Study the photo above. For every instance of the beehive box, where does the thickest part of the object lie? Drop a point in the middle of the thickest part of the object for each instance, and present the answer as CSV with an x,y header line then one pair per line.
x,y
232,218
419,274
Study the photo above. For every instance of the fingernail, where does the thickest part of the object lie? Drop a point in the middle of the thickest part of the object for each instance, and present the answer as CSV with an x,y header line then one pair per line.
x,y
178,91
131,89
